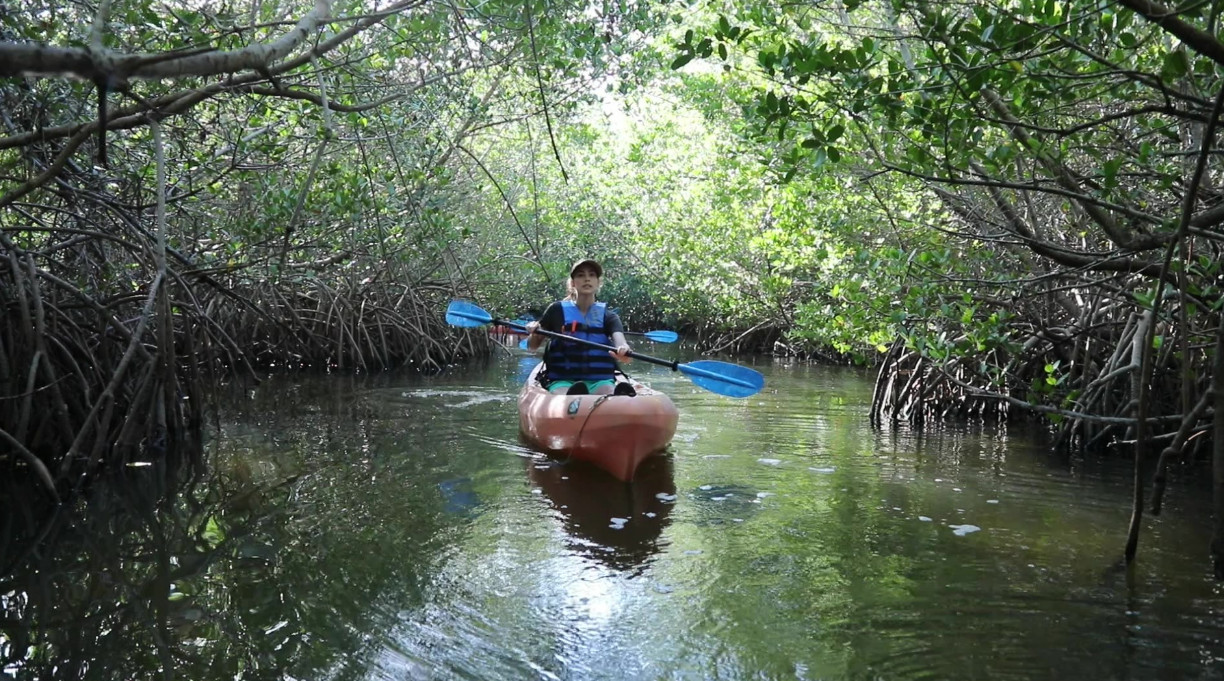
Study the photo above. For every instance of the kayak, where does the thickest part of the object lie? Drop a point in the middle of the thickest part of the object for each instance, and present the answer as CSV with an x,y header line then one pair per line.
x,y
613,432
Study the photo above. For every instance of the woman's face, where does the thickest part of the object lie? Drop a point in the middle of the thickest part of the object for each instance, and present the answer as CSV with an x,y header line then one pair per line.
x,y
585,279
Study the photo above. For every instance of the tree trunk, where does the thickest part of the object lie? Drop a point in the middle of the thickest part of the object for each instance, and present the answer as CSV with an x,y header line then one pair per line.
x,y
1217,454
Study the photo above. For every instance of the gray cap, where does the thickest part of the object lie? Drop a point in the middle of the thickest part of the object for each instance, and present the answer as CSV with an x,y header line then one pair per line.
x,y
592,263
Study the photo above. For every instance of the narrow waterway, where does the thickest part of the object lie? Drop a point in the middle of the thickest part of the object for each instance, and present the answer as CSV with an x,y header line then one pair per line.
x,y
395,528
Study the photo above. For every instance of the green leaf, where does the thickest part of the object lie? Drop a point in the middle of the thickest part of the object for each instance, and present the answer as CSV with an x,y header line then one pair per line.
x,y
1175,65
213,534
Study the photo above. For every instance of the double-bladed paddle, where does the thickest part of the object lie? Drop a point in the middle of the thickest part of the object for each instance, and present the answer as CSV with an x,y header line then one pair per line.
x,y
656,336
723,378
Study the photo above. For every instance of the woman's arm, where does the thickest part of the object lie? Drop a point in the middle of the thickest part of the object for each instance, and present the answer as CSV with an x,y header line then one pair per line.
x,y
622,347
548,321
613,323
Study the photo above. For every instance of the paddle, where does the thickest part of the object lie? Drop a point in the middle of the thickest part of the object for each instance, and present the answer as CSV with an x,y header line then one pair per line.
x,y
656,336
719,377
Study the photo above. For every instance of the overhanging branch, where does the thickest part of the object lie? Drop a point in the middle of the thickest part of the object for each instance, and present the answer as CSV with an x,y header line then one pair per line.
x,y
92,63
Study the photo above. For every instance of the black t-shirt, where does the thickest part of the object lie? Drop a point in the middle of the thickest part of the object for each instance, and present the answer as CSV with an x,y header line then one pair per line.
x,y
554,318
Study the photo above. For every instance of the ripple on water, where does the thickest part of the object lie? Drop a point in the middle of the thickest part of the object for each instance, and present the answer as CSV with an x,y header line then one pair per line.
x,y
718,503
456,398
964,633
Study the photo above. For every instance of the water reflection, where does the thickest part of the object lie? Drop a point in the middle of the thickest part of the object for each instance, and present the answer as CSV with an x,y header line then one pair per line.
x,y
395,529
113,586
617,523
525,366
458,497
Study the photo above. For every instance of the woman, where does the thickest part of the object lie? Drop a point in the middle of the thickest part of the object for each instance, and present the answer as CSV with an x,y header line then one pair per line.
x,y
577,368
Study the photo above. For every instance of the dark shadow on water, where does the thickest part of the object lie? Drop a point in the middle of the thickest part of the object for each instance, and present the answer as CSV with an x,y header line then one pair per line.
x,y
619,524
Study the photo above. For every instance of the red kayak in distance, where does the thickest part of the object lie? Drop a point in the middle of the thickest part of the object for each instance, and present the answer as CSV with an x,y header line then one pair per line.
x,y
613,432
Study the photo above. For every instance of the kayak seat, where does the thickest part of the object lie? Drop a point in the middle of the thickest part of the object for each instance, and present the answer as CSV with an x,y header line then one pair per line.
x,y
579,388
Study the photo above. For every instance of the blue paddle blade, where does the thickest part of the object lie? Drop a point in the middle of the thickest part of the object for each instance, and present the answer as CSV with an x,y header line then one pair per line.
x,y
661,336
467,315
731,380
523,344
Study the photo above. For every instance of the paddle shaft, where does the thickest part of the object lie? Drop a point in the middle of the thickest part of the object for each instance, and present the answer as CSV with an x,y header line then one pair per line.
x,y
674,366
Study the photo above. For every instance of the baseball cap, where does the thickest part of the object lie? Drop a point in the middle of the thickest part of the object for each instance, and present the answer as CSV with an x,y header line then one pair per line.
x,y
590,263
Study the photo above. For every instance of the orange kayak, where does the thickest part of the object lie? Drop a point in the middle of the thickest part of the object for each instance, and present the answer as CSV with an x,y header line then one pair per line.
x,y
614,432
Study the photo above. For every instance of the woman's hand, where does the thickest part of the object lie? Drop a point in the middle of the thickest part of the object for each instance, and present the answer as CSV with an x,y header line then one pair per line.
x,y
621,353
534,340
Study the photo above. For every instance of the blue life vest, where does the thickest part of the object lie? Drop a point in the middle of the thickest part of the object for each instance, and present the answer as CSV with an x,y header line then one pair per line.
x,y
575,361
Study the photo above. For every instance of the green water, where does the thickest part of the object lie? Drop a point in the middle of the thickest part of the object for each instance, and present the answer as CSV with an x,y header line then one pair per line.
x,y
395,528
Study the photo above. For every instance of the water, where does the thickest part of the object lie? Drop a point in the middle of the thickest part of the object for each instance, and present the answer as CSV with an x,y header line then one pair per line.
x,y
395,528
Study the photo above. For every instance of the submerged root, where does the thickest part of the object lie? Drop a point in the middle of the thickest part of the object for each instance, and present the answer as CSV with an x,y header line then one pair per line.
x,y
1082,385
90,376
